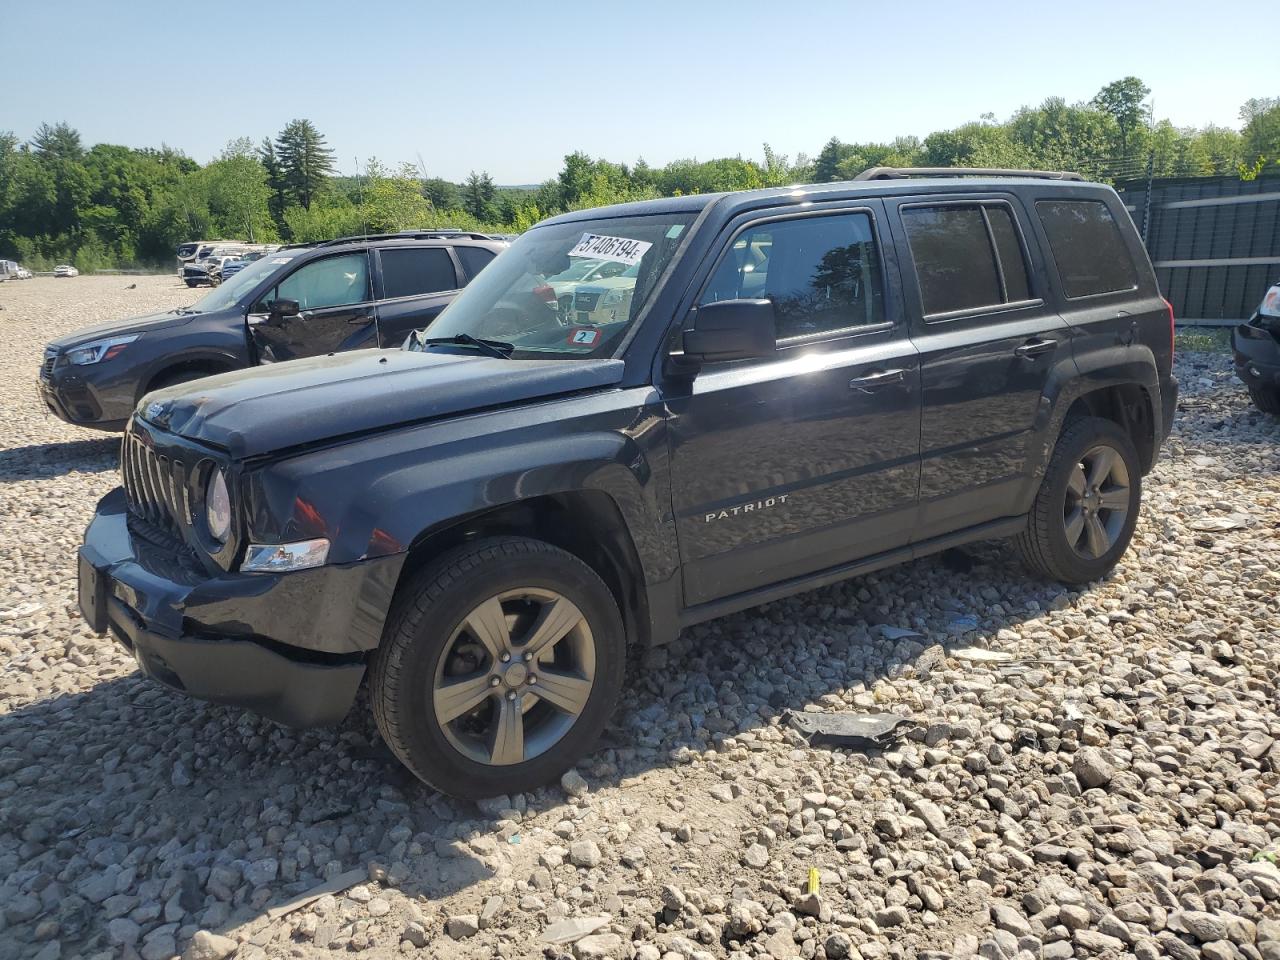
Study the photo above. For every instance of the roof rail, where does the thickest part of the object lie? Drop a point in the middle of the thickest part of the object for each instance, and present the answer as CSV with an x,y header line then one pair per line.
x,y
904,173
449,233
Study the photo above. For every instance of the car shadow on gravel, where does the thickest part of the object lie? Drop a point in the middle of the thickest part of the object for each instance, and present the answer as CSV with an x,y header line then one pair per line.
x,y
208,817
42,460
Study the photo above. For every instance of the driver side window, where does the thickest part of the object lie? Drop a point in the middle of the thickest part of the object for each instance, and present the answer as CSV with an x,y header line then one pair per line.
x,y
332,282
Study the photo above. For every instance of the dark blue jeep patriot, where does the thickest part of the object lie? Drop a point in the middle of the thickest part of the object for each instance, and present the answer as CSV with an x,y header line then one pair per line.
x,y
765,392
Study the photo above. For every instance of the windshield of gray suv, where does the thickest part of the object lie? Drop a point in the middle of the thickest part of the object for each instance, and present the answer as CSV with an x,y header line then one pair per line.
x,y
229,293
563,291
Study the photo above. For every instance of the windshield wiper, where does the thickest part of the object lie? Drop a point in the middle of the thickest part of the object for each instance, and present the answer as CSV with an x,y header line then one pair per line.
x,y
494,348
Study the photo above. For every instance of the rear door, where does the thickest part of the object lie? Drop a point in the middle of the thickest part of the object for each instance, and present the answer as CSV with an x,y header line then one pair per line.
x,y
414,285
336,311
808,459
1109,292
990,343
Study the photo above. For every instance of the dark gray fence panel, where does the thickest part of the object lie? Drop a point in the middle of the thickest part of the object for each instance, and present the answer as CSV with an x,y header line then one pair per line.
x,y
1215,242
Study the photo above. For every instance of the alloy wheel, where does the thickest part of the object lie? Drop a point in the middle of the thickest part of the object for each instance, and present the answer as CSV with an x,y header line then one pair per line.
x,y
515,676
1097,501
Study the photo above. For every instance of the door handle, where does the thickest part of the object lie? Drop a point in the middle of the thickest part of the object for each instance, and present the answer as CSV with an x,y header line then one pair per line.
x,y
874,381
1033,348
365,319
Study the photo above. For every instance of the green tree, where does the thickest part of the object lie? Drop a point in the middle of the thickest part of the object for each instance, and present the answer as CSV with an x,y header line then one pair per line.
x,y
305,161
1261,134
275,179
478,194
237,193
57,142
393,201
442,194
1125,101
826,167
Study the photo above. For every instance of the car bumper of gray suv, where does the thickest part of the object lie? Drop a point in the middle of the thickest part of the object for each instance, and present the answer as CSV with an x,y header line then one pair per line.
x,y
280,645
70,395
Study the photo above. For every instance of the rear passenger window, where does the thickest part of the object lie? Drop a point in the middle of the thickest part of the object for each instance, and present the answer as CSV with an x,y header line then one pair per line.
x,y
474,259
822,273
414,271
1087,246
967,257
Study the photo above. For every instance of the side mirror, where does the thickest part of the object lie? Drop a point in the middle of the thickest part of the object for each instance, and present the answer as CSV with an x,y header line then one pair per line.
x,y
732,330
284,308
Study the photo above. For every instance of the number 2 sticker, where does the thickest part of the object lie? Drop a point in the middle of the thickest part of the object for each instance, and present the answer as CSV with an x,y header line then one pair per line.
x,y
584,337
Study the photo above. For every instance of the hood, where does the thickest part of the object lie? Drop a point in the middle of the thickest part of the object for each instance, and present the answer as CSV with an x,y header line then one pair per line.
x,y
270,408
151,321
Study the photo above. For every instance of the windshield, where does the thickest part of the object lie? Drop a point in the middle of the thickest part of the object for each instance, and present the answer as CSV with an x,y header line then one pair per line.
x,y
514,300
240,283
187,249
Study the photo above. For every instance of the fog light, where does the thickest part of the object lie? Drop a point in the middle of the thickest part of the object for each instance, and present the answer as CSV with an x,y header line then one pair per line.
x,y
1255,372
284,557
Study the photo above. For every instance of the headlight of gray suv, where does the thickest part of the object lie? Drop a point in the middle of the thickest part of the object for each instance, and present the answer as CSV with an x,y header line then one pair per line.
x,y
100,350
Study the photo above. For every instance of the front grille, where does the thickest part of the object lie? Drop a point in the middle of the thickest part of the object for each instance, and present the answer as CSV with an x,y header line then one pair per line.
x,y
156,485
586,300
46,368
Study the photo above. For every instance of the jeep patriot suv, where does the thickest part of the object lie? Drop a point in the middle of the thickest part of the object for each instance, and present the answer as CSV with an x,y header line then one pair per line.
x,y
793,387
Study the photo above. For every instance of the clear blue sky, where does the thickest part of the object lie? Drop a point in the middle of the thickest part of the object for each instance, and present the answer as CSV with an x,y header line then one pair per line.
x,y
511,87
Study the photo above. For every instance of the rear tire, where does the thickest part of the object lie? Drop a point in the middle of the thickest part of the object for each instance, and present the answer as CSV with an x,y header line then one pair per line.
x,y
450,683
1266,399
1087,507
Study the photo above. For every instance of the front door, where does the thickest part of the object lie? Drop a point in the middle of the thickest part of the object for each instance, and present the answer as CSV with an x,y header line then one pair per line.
x,y
809,459
414,285
989,343
335,311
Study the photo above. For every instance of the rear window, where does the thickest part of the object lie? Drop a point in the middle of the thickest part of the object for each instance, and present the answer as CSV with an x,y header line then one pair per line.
x,y
474,259
414,271
967,256
1088,248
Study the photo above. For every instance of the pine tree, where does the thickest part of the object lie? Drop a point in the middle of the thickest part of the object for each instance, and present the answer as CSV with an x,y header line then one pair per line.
x,y
57,142
275,179
478,195
306,163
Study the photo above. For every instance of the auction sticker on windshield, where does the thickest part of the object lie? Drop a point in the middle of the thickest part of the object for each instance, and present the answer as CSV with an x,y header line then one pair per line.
x,y
584,337
617,249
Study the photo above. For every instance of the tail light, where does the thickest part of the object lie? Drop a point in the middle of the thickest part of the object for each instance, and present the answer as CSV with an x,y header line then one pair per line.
x,y
545,292
1169,307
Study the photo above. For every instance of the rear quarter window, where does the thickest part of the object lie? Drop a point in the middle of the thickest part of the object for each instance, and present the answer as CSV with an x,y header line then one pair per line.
x,y
1088,247
474,259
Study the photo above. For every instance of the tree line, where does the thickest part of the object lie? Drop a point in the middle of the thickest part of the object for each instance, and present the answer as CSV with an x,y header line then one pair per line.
x,y
111,205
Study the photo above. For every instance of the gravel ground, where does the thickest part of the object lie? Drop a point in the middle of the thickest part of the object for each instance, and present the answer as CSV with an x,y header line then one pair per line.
x,y
1087,774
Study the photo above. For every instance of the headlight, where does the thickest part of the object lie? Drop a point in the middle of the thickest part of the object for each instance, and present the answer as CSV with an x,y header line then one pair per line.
x,y
100,350
283,557
612,297
217,506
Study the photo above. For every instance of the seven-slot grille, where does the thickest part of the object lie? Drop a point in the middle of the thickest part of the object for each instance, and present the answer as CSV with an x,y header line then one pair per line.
x,y
156,484
46,368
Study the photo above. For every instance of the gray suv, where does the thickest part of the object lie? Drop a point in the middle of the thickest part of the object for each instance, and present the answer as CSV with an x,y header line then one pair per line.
x,y
299,301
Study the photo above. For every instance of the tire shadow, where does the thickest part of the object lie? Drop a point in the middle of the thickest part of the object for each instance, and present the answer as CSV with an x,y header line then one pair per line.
x,y
42,460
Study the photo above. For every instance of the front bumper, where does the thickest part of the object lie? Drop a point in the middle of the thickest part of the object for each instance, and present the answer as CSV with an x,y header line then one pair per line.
x,y
291,647
71,396
1256,353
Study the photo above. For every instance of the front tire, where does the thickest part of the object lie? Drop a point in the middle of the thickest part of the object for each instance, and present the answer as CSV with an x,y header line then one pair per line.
x,y
499,666
1087,506
1266,399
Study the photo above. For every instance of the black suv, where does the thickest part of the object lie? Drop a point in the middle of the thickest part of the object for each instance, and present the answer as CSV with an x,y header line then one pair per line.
x,y
299,301
781,389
